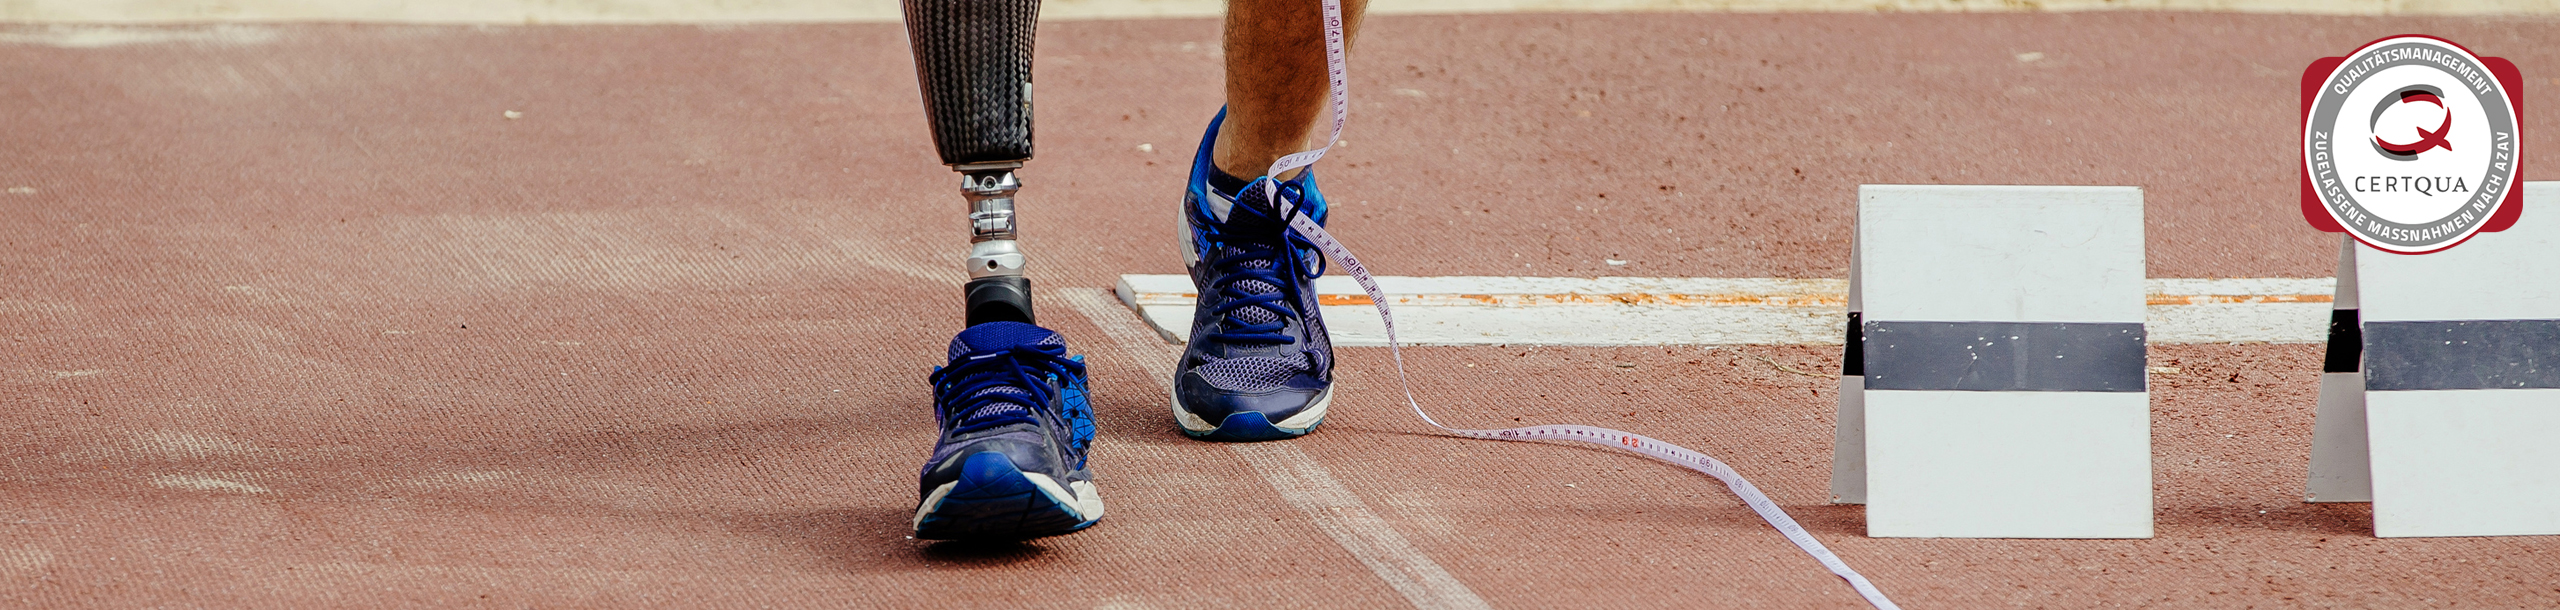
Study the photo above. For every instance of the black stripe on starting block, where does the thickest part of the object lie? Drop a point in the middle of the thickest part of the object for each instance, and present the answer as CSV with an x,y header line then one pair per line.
x,y
2346,342
2462,355
2005,356
1853,361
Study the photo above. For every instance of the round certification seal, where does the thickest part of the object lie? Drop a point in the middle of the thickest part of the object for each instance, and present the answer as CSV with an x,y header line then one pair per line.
x,y
2411,144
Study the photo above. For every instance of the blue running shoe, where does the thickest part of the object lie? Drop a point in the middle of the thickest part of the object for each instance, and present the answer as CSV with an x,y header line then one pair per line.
x,y
1259,366
1015,428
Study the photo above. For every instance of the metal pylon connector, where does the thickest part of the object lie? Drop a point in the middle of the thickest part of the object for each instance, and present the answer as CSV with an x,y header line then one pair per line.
x,y
992,249
997,290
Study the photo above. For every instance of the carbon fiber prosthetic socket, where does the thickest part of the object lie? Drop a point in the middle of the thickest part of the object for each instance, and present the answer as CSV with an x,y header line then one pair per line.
x,y
973,62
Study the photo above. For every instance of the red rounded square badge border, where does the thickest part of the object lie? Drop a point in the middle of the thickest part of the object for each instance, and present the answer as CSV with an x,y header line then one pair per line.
x,y
2317,74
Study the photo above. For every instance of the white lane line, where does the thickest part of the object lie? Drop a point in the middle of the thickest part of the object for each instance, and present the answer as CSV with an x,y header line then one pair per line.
x,y
1299,478
1337,512
1468,310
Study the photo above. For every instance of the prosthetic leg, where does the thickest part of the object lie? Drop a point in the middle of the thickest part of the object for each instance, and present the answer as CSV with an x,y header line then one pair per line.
x,y
973,60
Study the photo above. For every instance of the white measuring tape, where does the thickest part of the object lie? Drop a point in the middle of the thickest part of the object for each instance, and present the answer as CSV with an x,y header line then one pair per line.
x,y
1640,444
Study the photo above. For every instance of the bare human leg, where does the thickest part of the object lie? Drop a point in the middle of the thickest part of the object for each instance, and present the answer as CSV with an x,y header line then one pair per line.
x,y
1275,81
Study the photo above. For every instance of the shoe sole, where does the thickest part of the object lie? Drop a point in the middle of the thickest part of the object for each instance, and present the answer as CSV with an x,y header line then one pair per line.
x,y
1248,427
993,500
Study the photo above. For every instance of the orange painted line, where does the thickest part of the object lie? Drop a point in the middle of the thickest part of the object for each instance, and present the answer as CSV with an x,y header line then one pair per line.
x,y
1791,300
1514,300
2205,299
1766,300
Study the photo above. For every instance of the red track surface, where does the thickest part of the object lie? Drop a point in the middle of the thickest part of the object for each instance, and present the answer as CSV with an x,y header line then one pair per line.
x,y
308,322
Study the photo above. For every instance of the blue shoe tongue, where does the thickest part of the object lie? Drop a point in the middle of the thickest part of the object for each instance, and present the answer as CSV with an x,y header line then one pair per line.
x,y
1001,335
993,336
1251,218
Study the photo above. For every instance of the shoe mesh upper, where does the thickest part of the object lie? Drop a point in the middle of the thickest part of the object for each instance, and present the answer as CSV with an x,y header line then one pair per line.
x,y
997,336
1259,373
985,337
1252,315
1319,340
1251,373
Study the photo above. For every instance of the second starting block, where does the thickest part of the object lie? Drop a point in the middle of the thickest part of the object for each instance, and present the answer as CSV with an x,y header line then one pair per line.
x,y
2441,400
1993,385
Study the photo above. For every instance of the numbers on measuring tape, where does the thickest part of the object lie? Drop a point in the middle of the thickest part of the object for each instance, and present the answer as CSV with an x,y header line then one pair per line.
x,y
1656,449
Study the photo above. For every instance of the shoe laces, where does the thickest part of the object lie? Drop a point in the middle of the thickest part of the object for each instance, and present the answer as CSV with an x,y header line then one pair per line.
x,y
1001,387
1251,314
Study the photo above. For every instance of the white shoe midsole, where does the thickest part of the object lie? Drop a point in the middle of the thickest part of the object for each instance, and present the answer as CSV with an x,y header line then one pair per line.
x,y
1080,497
1303,420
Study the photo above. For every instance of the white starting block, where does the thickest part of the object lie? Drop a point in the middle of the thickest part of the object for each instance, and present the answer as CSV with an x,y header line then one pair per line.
x,y
1994,383
2442,407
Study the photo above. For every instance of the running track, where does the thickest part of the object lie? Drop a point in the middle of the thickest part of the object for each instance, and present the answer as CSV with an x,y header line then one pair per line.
x,y
295,316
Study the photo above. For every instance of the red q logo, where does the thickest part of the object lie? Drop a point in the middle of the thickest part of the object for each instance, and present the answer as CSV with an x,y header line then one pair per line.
x,y
2410,104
